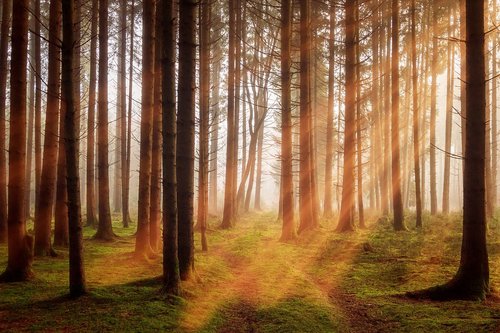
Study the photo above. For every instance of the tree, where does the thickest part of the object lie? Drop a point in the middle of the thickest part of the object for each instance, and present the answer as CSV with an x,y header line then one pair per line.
x,y
471,281
104,228
416,116
142,242
288,230
434,69
4,44
91,202
204,110
71,131
171,276
306,167
327,206
45,203
396,172
20,244
346,218
229,189
185,134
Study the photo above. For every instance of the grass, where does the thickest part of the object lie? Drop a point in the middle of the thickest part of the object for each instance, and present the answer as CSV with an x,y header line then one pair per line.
x,y
250,282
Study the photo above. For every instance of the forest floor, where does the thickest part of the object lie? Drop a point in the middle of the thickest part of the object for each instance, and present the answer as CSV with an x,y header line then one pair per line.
x,y
250,282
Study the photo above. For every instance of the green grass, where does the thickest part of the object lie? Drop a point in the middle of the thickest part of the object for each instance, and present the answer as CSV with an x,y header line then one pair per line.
x,y
250,282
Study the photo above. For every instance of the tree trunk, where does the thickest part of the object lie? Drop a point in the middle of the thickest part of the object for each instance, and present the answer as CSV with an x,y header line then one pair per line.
x,y
45,203
204,114
359,136
396,172
416,116
185,135
61,237
155,209
20,244
91,194
38,104
288,229
327,205
104,229
434,65
170,245
229,190
346,218
71,131
306,194
142,243
449,122
4,45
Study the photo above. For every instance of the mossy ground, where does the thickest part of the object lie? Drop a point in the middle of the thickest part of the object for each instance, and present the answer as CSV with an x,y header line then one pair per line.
x,y
250,282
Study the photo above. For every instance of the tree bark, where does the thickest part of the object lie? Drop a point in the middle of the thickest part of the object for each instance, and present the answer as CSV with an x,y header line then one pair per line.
x,y
71,130
4,45
45,203
185,134
104,229
170,227
20,244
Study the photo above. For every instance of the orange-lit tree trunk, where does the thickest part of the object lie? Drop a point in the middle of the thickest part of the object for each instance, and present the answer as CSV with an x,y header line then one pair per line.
x,y
38,103
45,203
305,195
327,205
204,110
433,115
346,218
397,202
142,243
155,210
288,229
359,119
104,228
449,122
229,189
90,183
4,45
169,203
20,244
416,116
71,131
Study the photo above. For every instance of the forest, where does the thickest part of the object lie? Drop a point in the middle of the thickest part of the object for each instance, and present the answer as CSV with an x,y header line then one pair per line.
x,y
249,166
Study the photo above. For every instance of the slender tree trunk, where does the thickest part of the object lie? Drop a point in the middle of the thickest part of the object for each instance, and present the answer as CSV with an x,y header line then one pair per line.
x,y
185,135
4,45
45,203
123,112
346,218
38,104
305,194
359,119
170,242
204,125
142,243
494,117
288,228
104,229
20,244
31,114
449,123
228,214
433,115
91,194
126,150
416,116
396,172
258,178
327,205
71,130
155,207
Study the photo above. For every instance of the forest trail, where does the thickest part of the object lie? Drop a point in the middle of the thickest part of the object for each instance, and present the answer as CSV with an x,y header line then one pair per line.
x,y
248,281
